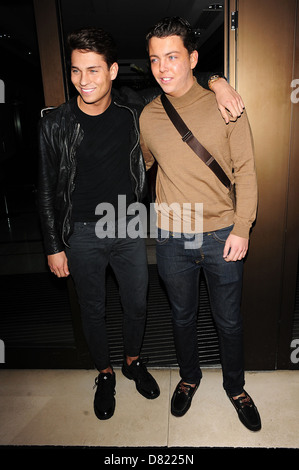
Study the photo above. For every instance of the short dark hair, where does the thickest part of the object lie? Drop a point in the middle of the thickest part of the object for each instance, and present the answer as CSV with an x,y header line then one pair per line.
x,y
95,40
174,26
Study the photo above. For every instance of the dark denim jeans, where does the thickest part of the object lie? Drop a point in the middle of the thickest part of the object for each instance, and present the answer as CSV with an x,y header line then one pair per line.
x,y
88,258
179,262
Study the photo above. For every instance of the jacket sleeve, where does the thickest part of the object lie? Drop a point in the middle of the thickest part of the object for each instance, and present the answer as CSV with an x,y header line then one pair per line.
x,y
47,180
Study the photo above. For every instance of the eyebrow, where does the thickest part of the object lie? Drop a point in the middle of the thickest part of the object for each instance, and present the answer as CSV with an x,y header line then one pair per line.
x,y
167,53
91,67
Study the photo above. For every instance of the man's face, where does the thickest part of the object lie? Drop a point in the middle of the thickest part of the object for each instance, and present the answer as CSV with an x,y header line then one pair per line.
x,y
93,80
172,64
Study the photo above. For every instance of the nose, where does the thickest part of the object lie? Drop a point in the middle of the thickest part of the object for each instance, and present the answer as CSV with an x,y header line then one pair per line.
x,y
83,78
163,66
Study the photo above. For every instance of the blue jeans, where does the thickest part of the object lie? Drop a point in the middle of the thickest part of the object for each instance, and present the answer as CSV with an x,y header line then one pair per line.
x,y
179,262
88,258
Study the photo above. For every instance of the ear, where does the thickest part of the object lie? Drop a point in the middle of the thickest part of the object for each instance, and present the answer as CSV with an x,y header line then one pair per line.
x,y
193,59
114,70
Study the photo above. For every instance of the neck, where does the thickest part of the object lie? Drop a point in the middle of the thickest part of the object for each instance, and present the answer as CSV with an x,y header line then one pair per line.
x,y
183,92
93,109
186,98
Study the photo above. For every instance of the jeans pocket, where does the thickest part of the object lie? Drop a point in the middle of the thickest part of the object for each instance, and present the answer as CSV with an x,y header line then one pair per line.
x,y
162,237
162,241
222,234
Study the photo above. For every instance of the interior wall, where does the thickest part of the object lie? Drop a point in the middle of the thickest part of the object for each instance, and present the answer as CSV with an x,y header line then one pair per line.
x,y
291,258
264,66
50,51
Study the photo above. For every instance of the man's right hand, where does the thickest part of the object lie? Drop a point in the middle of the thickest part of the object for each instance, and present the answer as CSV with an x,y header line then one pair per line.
x,y
229,101
58,264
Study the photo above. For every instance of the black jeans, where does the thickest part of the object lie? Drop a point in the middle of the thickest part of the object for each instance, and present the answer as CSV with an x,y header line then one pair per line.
x,y
88,258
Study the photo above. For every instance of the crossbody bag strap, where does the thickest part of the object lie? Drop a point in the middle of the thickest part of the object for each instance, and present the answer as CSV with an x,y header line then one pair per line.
x,y
196,146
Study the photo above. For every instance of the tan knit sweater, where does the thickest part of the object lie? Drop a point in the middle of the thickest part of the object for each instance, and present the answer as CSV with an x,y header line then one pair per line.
x,y
183,178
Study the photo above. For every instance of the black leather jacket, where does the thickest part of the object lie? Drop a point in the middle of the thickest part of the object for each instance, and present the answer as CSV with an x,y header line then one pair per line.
x,y
59,137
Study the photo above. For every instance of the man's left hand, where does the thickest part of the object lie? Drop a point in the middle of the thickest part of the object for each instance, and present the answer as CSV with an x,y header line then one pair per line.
x,y
235,248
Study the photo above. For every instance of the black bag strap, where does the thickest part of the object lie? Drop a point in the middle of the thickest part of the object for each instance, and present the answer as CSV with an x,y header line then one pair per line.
x,y
196,146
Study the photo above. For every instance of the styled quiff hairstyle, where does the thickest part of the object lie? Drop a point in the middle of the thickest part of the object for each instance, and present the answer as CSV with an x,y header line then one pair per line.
x,y
174,26
94,40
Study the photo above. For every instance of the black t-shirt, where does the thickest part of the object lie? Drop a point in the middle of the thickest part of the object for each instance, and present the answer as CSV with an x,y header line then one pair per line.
x,y
103,161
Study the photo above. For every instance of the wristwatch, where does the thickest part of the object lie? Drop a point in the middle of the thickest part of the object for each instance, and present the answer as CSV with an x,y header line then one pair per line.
x,y
214,79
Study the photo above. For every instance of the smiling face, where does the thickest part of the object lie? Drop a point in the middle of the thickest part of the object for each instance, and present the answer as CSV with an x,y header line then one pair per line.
x,y
93,79
171,64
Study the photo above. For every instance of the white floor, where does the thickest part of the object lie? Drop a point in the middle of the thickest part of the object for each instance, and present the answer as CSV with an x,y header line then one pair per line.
x,y
55,408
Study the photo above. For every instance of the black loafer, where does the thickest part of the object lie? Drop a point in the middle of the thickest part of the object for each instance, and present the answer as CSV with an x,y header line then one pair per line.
x,y
146,385
182,398
247,412
104,400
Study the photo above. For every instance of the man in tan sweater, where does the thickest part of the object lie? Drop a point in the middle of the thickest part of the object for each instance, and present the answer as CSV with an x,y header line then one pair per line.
x,y
189,194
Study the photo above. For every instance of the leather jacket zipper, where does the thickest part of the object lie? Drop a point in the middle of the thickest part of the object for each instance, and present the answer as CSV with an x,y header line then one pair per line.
x,y
134,147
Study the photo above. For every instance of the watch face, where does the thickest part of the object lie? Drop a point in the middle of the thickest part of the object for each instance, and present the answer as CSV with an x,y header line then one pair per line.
x,y
213,79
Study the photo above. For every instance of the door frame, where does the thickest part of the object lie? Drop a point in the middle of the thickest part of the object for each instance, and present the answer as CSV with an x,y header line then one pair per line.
x,y
263,79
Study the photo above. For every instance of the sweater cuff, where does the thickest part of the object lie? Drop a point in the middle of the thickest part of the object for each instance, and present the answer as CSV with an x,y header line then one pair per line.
x,y
241,231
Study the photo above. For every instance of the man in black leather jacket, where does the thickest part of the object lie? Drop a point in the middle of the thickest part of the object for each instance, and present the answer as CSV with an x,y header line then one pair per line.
x,y
65,143
90,154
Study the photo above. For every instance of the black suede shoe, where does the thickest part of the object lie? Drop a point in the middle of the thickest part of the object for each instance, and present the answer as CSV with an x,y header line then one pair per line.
x,y
145,382
247,412
181,398
104,401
